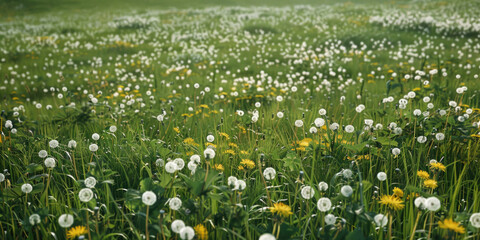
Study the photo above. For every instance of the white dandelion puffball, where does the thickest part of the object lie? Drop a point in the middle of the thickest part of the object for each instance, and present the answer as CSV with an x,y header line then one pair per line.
x,y
349,129
180,163
93,147
72,144
65,220
195,158
307,192
192,165
34,219
279,98
313,130
280,114
330,219
95,136
381,176
149,198
231,180
187,233
159,162
324,204
360,108
177,225
322,112
113,128
334,126
90,182
209,153
323,186
258,104
175,203
27,188
53,144
171,167
420,203
267,236
417,112
50,162
42,154
210,138
347,173
319,122
475,220
346,191
269,173
396,151
241,185
380,220
432,204
2,177
85,195
299,123
421,139
160,118
440,136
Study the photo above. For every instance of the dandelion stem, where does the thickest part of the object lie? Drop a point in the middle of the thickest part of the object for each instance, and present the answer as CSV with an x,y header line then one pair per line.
x,y
146,225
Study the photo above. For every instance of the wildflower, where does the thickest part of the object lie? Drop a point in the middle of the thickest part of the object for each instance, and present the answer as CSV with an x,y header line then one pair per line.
x,y
175,203
449,224
229,151
219,167
160,162
346,191
330,219
76,232
323,186
349,128
34,219
324,204
432,204
149,198
180,163
26,188
209,153
85,195
42,154
171,167
396,151
392,202
93,147
95,136
65,220
187,233
420,202
90,182
50,162
307,192
72,144
381,176
397,192
430,183
226,136
319,122
248,163
210,138
281,210
438,166
177,225
423,174
113,128
195,158
267,236
380,220
269,173
201,232
299,123
475,220
53,144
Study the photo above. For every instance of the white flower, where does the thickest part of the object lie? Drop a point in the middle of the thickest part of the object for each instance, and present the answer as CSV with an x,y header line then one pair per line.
x,y
240,185
209,153
50,162
175,203
322,112
231,180
475,220
160,118
90,182
280,114
267,236
93,147
180,163
53,143
8,124
313,130
72,144
432,204
210,138
192,165
34,219
420,202
324,204
113,128
269,173
360,108
177,225
65,220
27,188
382,176
187,233
319,122
347,173
85,195
349,128
307,192
2,177
396,151
195,158
380,220
442,112
323,186
421,139
330,219
346,191
279,98
95,136
411,94
298,123
159,162
334,126
42,154
149,198
171,167
417,112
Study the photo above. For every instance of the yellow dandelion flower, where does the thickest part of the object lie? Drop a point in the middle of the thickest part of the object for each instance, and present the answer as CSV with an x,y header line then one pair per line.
x,y
233,145
219,167
189,140
248,163
281,210
449,224
176,129
430,183
423,175
229,151
392,202
204,106
438,166
243,152
76,232
397,192
201,232
241,168
224,135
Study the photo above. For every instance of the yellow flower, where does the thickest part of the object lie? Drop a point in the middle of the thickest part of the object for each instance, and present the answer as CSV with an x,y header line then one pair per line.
x,y
224,135
281,210
219,167
233,145
449,224
229,151
248,163
243,152
438,166
201,232
204,106
392,202
423,175
76,232
430,183
397,192
176,129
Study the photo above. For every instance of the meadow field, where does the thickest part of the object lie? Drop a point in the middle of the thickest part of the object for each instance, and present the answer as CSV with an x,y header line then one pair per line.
x,y
239,120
